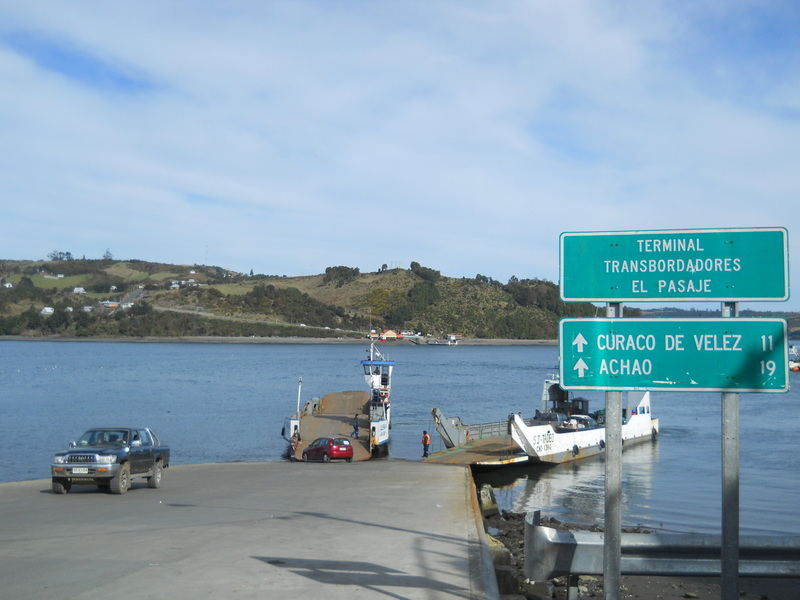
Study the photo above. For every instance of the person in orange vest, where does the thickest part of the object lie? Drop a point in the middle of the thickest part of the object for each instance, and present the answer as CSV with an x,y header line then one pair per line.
x,y
426,444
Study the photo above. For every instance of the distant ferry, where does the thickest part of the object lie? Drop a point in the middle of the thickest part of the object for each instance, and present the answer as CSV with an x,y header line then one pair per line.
x,y
410,334
448,340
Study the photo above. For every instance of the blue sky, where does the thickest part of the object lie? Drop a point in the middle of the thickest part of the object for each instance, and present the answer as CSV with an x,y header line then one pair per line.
x,y
286,137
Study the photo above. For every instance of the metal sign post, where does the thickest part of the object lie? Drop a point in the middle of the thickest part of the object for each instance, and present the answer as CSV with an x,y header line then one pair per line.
x,y
730,484
612,549
730,496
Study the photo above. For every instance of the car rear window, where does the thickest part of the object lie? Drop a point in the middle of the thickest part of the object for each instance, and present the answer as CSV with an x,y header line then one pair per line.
x,y
341,442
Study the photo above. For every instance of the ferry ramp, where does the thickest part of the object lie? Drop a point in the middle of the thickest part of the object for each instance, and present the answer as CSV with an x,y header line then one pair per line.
x,y
334,418
488,452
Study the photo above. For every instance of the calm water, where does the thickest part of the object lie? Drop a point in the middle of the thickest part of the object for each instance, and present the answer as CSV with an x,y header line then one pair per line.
x,y
226,402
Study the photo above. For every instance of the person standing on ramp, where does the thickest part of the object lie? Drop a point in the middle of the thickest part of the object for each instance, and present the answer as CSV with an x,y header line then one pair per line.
x,y
426,444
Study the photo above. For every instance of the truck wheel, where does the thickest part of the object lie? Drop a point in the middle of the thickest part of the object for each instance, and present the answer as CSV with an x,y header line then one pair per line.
x,y
61,486
326,458
120,483
154,481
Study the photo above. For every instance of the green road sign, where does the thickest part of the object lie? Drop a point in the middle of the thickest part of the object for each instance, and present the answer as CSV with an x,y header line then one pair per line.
x,y
725,355
701,264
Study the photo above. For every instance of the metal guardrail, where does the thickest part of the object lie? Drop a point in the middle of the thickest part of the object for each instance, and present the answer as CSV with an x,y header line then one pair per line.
x,y
454,432
486,430
551,553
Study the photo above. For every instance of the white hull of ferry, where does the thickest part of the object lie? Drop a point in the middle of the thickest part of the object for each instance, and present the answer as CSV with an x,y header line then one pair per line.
x,y
379,433
542,443
291,428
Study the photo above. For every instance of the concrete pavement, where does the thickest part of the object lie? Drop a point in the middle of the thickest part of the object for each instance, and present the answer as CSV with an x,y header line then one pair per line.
x,y
394,529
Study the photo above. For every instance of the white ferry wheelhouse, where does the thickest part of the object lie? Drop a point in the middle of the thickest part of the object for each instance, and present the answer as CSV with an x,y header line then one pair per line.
x,y
378,374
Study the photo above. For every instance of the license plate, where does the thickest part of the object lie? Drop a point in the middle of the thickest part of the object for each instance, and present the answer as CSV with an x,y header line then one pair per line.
x,y
80,470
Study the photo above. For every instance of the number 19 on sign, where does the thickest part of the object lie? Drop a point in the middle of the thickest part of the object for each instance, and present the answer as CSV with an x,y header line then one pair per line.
x,y
768,367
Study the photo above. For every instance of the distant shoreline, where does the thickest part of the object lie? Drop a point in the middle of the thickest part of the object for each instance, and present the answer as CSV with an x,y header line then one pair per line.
x,y
270,340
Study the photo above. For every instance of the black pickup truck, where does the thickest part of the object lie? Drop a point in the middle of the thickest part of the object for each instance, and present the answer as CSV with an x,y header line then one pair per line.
x,y
109,457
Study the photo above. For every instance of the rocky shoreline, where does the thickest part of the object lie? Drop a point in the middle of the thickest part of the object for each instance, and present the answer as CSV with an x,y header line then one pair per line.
x,y
507,529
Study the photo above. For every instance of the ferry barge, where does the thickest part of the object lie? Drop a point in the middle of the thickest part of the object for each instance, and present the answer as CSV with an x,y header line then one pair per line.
x,y
378,374
561,430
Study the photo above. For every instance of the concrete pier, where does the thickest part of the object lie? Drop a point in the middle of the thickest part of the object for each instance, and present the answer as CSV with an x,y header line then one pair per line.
x,y
393,529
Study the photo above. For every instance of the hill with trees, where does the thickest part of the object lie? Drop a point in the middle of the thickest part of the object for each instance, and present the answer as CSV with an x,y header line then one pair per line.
x,y
70,297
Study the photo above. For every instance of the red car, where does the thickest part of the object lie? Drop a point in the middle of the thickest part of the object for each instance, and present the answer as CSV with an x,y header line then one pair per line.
x,y
325,449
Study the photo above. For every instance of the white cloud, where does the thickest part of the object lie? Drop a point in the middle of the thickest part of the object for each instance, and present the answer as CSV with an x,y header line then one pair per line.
x,y
290,136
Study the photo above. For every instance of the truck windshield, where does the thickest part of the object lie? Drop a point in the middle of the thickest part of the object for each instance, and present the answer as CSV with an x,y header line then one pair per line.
x,y
104,437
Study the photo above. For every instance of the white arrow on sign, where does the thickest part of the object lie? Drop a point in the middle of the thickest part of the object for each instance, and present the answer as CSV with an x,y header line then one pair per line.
x,y
580,367
580,342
